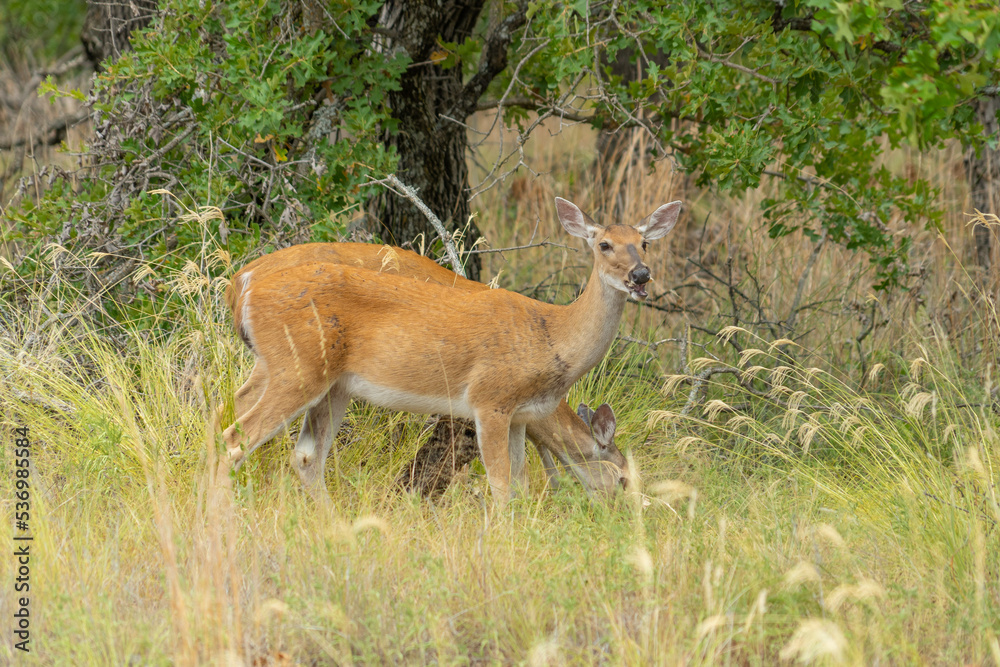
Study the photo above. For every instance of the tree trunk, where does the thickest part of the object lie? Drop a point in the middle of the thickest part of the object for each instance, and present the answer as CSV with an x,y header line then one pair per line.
x,y
451,446
108,25
983,171
432,149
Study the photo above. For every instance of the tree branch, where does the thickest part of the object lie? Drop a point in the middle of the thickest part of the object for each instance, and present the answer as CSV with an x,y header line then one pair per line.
x,y
538,106
51,135
779,23
800,288
711,57
492,61
407,192
540,244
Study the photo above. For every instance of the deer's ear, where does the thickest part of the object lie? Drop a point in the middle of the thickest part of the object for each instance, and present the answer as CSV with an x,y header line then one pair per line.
x,y
659,223
603,425
575,221
585,413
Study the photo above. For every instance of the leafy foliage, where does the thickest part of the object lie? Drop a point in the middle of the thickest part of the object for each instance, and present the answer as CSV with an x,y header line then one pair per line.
x,y
46,28
274,112
271,112
806,91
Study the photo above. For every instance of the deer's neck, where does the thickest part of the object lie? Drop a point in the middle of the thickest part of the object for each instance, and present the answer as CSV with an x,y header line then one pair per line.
x,y
592,322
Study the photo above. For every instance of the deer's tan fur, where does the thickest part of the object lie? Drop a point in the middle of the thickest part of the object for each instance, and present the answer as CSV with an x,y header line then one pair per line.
x,y
563,435
322,333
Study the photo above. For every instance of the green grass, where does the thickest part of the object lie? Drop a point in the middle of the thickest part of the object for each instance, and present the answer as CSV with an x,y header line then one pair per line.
x,y
857,528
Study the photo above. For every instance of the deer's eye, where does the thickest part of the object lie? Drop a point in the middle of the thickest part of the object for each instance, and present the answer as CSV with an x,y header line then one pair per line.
x,y
644,244
605,246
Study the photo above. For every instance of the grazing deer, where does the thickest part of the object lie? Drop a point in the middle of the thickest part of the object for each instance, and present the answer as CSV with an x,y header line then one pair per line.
x,y
585,447
322,333
453,445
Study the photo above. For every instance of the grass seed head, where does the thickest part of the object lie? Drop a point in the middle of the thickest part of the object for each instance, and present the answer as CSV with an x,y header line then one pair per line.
x,y
915,406
802,573
814,640
687,441
641,561
714,407
390,258
788,420
739,420
751,373
544,653
666,417
795,400
672,382
830,535
710,625
370,523
875,372
728,332
863,591
916,367
806,434
810,373
781,342
702,363
671,491
748,354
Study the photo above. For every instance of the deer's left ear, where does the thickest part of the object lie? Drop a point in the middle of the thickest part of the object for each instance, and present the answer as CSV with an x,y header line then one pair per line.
x,y
659,223
603,425
575,221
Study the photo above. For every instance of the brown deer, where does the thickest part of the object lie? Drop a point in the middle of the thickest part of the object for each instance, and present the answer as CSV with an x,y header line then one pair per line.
x,y
322,333
583,445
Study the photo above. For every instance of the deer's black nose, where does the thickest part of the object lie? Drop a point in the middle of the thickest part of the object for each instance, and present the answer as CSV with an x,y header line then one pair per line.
x,y
639,275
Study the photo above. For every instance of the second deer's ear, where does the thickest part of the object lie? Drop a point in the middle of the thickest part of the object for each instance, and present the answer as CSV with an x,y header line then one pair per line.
x,y
603,425
659,223
575,221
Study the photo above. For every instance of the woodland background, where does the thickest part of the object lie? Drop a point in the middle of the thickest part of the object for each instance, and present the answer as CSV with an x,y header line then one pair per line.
x,y
809,394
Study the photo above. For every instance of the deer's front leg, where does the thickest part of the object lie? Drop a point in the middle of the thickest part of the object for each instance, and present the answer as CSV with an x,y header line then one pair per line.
x,y
551,469
492,431
518,468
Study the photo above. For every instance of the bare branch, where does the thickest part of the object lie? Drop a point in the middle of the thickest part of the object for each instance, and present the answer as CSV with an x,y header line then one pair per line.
x,y
540,244
698,383
410,193
540,106
51,135
800,288
739,68
492,61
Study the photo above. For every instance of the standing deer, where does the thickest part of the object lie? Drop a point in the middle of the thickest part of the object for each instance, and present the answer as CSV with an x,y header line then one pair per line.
x,y
582,441
322,333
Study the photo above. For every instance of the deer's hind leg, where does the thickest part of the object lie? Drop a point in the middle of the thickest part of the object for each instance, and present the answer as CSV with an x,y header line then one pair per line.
x,y
251,391
319,428
283,398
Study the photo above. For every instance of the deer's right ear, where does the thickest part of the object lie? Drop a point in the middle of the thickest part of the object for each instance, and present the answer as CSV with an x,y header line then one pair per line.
x,y
575,221
585,413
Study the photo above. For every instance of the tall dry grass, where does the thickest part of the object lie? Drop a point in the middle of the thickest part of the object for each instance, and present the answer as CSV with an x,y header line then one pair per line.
x,y
823,501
